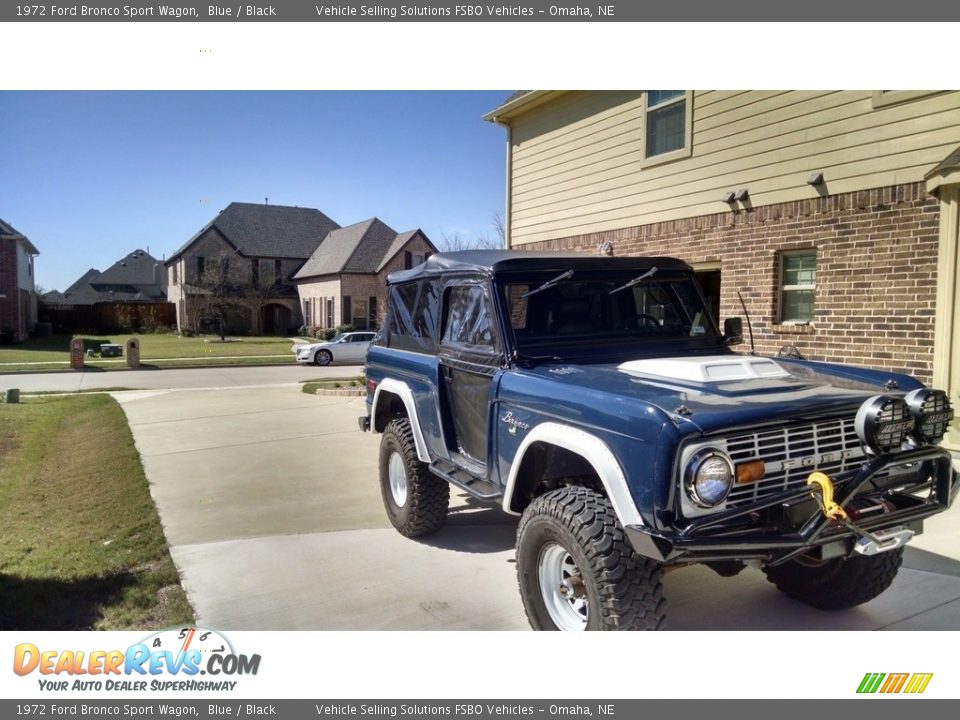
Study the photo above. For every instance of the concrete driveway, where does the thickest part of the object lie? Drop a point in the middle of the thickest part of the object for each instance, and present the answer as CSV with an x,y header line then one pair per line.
x,y
270,501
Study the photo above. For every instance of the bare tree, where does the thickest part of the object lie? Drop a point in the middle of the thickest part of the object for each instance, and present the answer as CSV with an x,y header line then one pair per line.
x,y
495,240
220,287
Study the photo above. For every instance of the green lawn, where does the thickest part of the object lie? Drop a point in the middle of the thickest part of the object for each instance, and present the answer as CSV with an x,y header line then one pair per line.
x,y
311,386
81,546
160,349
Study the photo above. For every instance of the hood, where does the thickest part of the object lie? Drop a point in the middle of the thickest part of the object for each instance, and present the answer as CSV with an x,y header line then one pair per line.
x,y
725,391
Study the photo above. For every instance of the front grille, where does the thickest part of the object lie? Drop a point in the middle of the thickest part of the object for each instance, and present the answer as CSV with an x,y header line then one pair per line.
x,y
791,453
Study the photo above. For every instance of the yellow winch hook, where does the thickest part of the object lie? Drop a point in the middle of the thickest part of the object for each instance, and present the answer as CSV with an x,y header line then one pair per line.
x,y
827,504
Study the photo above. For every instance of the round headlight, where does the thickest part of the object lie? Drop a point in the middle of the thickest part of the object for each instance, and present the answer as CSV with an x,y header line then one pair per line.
x,y
709,478
884,424
932,413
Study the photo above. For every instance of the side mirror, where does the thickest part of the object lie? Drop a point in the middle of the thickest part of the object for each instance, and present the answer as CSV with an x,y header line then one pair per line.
x,y
733,331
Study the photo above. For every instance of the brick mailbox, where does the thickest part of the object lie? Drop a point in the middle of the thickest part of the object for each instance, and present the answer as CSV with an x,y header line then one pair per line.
x,y
133,353
76,353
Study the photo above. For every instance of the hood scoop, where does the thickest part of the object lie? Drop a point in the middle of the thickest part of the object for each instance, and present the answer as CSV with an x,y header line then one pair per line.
x,y
716,368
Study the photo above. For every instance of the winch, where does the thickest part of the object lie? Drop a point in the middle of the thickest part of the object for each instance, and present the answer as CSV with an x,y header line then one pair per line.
x,y
867,543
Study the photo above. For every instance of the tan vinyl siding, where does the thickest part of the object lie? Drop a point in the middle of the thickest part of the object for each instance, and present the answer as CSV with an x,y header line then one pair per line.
x,y
577,159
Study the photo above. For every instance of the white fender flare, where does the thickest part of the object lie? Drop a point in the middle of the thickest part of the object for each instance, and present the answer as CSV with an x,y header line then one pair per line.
x,y
402,390
590,448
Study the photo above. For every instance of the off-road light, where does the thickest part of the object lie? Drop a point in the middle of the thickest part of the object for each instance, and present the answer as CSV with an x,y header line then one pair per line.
x,y
932,414
708,478
883,424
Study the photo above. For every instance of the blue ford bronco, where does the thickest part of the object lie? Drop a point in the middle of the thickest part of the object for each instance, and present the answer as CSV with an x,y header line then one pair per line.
x,y
596,398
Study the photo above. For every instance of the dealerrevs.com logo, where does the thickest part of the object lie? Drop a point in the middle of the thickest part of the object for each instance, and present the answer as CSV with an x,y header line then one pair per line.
x,y
889,683
183,654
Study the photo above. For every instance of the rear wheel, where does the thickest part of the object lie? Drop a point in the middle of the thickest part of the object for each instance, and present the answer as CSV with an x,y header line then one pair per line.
x,y
577,571
415,499
323,357
836,584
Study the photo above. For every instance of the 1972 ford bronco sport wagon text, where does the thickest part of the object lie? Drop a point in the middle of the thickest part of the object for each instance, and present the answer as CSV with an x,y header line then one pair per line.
x,y
597,398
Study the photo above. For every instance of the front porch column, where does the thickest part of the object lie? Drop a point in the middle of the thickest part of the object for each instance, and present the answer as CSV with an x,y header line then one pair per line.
x,y
944,182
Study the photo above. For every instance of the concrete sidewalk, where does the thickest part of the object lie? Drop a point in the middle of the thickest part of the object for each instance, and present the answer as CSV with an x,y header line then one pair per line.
x,y
208,377
271,504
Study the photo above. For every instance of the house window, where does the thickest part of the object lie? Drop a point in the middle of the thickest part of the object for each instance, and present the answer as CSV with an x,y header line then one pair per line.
x,y
277,271
201,265
373,313
306,313
407,260
330,311
798,276
667,122
417,259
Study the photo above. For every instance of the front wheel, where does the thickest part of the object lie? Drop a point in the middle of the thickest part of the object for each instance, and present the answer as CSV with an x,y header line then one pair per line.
x,y
577,571
323,357
415,499
836,584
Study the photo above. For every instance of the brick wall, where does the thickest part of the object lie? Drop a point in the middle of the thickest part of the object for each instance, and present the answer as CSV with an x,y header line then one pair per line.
x,y
9,307
876,270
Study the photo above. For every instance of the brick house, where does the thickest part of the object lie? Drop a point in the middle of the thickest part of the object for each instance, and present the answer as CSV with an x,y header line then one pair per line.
x,y
344,281
834,214
136,278
250,252
18,297
130,295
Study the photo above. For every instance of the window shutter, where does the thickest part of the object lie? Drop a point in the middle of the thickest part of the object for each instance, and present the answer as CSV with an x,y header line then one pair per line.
x,y
347,310
407,260
373,312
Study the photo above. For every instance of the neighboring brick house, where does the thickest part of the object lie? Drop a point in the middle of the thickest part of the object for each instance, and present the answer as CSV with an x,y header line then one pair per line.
x,y
344,281
18,297
255,249
136,278
129,296
834,214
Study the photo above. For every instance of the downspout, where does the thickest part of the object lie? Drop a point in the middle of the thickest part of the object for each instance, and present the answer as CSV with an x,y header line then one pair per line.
x,y
508,202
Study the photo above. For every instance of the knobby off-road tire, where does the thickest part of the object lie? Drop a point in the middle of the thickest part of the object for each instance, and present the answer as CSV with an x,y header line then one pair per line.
x,y
837,584
577,528
420,506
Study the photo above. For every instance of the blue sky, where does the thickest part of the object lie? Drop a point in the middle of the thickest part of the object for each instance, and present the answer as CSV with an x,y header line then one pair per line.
x,y
90,176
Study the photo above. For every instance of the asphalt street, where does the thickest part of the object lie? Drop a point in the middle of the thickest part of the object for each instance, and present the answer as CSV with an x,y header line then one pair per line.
x,y
270,501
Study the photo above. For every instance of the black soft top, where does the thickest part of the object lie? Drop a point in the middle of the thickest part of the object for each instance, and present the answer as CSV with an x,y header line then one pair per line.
x,y
491,262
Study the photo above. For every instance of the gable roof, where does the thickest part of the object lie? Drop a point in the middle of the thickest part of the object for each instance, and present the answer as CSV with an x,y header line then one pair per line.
x,y
356,248
82,281
137,268
397,245
10,232
278,231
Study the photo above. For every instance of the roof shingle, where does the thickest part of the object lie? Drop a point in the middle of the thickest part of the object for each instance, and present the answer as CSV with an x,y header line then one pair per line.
x,y
278,231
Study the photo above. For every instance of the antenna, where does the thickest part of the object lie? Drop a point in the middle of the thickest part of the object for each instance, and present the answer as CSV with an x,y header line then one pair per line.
x,y
753,350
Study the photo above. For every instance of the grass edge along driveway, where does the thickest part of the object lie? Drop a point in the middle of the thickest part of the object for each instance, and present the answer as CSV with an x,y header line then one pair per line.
x,y
81,545
156,350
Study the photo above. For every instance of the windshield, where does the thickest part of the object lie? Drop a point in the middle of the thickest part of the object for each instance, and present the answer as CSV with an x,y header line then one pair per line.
x,y
589,310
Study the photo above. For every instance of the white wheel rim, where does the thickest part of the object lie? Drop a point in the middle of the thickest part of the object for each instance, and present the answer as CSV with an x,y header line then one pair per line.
x,y
560,579
397,472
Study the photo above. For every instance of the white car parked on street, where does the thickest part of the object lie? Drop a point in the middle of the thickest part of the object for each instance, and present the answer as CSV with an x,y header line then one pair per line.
x,y
346,348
